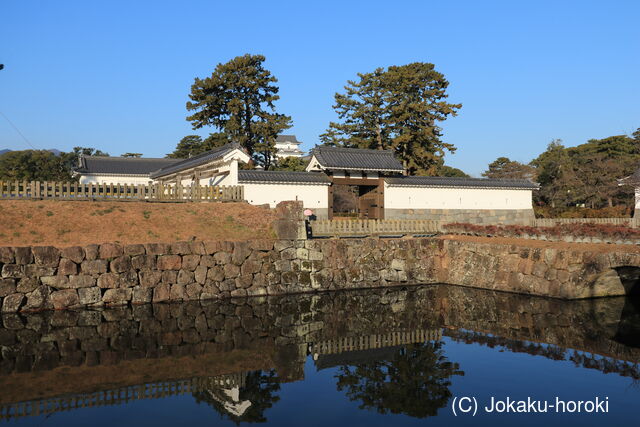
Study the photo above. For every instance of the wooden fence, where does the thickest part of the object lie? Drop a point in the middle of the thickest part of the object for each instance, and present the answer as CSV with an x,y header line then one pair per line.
x,y
153,192
373,227
119,396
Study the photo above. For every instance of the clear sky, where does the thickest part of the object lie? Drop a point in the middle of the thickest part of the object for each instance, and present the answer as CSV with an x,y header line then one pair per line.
x,y
115,75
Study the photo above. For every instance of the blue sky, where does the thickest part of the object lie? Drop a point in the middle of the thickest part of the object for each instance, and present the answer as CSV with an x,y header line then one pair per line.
x,y
116,74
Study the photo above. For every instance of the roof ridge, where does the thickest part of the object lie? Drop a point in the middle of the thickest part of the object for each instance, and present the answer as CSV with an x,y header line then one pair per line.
x,y
367,150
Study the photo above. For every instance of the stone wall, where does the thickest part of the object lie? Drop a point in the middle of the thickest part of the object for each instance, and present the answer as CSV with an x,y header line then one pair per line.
x,y
37,278
471,216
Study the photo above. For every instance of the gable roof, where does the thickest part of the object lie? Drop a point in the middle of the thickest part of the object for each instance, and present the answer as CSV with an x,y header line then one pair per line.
x,y
287,138
357,159
121,165
196,160
283,177
441,181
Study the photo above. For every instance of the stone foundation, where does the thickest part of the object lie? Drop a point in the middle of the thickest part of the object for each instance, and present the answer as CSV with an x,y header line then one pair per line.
x,y
37,278
471,216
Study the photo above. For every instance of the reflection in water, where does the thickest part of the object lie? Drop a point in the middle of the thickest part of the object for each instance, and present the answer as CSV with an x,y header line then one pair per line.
x,y
245,401
384,348
413,380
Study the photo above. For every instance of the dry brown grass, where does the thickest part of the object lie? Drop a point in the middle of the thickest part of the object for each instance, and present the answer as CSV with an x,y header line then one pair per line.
x,y
67,223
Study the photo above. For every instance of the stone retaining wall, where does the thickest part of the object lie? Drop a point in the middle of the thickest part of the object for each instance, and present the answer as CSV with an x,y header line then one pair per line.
x,y
36,278
471,216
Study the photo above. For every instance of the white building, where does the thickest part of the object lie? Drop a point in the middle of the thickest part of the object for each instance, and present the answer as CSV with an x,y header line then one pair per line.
x,y
288,146
373,178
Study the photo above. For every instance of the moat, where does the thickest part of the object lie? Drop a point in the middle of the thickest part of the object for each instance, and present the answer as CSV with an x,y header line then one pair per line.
x,y
396,356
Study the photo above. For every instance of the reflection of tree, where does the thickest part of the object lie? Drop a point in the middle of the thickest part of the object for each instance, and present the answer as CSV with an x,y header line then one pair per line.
x,y
415,381
258,393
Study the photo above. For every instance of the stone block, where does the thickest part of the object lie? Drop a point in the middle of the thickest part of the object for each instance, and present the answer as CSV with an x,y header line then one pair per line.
x,y
231,271
23,255
289,253
46,256
128,279
169,276
108,281
12,303
117,296
241,251
7,287
38,299
91,252
162,293
149,279
141,295
315,255
197,247
33,270
27,284
89,296
97,266
6,255
216,273
73,253
133,250
157,249
200,274
250,266
193,291
110,250
81,281
120,264
185,277
67,267
57,282
181,248
222,258
143,262
398,264
190,262
65,298
244,281
169,262
177,292
12,270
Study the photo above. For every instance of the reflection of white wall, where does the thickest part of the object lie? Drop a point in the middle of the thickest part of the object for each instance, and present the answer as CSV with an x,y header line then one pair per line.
x,y
312,196
114,179
455,198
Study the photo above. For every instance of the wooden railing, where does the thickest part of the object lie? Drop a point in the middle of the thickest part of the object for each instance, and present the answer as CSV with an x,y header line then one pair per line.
x,y
373,227
550,222
119,396
154,192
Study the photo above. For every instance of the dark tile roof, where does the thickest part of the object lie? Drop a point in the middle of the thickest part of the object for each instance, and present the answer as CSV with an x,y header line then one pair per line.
x,y
357,159
286,138
121,165
633,179
197,160
441,181
282,177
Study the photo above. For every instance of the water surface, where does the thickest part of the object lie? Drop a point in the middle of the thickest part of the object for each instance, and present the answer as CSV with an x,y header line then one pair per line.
x,y
371,357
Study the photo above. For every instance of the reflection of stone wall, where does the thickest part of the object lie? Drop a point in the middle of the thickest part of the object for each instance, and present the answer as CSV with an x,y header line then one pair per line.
x,y
470,216
54,353
112,274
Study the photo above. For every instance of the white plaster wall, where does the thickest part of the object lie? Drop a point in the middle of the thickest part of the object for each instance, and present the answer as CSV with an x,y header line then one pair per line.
x,y
109,179
312,196
455,198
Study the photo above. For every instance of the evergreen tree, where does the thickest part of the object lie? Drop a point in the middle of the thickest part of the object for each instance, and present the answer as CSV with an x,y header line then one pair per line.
x,y
238,99
192,145
504,168
398,109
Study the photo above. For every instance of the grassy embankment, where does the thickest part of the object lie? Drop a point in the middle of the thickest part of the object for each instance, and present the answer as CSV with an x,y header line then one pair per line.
x,y
67,223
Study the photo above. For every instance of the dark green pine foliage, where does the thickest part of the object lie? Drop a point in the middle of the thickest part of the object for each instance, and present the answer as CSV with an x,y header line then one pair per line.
x,y
192,145
398,109
238,99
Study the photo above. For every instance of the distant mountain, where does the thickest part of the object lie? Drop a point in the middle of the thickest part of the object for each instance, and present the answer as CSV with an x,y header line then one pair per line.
x,y
53,150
